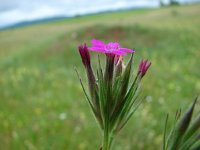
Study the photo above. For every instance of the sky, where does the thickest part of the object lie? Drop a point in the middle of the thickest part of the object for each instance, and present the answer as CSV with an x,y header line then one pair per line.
x,y
14,11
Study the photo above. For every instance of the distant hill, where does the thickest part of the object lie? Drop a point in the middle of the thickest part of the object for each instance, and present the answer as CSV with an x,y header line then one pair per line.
x,y
59,18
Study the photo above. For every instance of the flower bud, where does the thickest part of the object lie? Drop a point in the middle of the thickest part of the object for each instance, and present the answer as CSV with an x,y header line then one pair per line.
x,y
143,67
83,50
85,55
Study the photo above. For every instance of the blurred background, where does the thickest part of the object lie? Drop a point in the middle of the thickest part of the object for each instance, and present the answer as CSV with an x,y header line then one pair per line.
x,y
42,106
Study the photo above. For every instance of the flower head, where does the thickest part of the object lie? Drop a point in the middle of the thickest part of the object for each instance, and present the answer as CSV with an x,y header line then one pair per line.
x,y
112,94
110,48
143,67
83,50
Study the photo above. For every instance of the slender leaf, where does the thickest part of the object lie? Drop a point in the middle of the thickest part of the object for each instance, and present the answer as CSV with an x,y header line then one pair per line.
x,y
165,133
182,127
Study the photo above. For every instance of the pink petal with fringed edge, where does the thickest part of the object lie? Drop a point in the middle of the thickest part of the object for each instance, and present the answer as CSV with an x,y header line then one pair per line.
x,y
127,50
114,45
119,53
97,43
98,49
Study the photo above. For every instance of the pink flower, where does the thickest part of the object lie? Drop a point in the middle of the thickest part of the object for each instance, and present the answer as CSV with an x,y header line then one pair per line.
x,y
83,50
110,48
143,67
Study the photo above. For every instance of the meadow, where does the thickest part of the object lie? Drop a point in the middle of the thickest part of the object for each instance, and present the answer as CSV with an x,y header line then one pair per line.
x,y
42,106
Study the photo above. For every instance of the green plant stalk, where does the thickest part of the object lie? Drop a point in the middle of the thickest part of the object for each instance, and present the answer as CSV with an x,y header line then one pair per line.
x,y
106,139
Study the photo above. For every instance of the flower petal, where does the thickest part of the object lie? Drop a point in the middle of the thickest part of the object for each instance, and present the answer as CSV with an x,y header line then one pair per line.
x,y
127,50
117,52
97,43
97,49
114,45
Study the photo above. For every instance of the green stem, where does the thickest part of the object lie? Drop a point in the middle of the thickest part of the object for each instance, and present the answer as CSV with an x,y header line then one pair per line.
x,y
106,141
111,140
108,77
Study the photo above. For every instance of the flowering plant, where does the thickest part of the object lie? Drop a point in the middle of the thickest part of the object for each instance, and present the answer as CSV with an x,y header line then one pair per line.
x,y
113,94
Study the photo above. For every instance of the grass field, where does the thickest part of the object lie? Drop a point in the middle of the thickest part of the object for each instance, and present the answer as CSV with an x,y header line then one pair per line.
x,y
42,106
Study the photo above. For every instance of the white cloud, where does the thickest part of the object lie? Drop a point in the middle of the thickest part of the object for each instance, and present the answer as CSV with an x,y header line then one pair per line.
x,y
26,10
16,15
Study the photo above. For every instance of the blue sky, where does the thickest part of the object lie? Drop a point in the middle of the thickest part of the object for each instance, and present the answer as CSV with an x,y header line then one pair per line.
x,y
13,11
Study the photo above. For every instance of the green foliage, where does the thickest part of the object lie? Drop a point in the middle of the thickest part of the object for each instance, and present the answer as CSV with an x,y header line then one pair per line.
x,y
114,101
184,134
41,101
